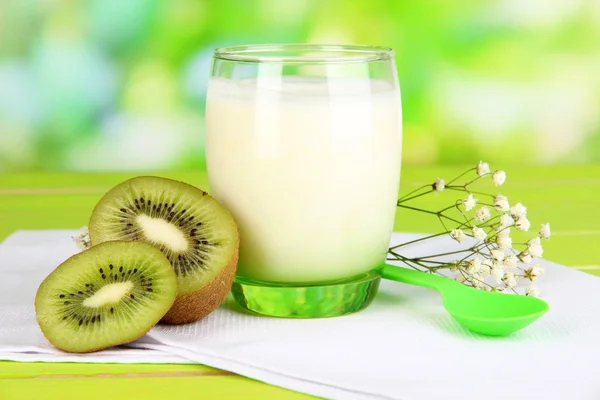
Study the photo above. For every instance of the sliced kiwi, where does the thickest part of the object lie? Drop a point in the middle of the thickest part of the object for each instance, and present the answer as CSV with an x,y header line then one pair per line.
x,y
108,295
196,234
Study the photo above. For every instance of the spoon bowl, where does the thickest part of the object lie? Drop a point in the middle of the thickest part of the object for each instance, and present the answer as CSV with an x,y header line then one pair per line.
x,y
491,313
486,313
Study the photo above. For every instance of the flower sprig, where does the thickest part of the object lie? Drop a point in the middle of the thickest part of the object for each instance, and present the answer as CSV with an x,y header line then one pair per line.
x,y
82,240
491,260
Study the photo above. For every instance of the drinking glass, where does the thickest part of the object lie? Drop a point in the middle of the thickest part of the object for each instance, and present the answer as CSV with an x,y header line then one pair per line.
x,y
304,149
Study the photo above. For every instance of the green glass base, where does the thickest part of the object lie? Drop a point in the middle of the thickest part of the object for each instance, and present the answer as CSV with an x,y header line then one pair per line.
x,y
322,300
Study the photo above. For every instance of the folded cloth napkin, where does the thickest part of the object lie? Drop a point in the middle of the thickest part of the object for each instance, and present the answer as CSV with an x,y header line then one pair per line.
x,y
26,258
404,346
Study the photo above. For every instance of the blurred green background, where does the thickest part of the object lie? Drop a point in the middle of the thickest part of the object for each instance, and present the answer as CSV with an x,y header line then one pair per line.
x,y
103,85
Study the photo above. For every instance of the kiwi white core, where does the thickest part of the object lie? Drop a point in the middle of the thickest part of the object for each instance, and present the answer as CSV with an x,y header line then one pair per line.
x,y
162,232
112,293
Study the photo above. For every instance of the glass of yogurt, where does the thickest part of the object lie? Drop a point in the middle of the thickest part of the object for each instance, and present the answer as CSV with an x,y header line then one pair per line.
x,y
304,147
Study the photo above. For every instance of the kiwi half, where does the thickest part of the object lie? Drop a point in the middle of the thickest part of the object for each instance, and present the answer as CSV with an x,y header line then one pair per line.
x,y
197,235
108,295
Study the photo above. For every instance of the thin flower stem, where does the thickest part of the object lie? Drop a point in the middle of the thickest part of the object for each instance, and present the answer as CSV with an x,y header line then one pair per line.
x,y
414,191
418,209
394,253
409,263
430,212
437,262
440,264
450,219
398,256
422,264
484,282
418,240
490,220
455,205
463,274
458,188
445,254
429,236
443,224
400,201
488,248
475,179
445,266
475,251
401,257
461,175
464,189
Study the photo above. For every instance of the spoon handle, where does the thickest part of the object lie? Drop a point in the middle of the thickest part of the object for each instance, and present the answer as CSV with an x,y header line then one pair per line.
x,y
414,277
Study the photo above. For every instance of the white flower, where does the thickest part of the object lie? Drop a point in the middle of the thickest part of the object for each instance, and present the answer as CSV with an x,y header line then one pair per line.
x,y
535,247
497,272
479,233
525,257
439,185
534,272
532,291
523,224
503,232
501,203
486,268
457,234
498,255
505,221
499,177
518,211
460,278
82,241
509,279
482,214
474,266
476,282
483,168
469,202
503,241
545,231
511,262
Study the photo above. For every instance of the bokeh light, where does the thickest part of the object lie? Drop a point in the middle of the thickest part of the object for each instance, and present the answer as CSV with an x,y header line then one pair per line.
x,y
107,85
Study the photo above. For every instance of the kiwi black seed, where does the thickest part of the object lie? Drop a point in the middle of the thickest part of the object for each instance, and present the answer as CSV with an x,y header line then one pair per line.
x,y
80,311
196,234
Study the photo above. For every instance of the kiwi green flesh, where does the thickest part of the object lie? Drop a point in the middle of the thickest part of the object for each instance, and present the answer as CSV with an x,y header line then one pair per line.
x,y
192,229
108,295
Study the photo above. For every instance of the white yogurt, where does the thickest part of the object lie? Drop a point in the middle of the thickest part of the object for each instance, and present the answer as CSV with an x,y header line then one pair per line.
x,y
309,169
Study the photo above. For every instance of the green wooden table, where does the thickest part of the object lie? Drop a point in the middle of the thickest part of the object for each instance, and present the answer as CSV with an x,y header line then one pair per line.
x,y
563,195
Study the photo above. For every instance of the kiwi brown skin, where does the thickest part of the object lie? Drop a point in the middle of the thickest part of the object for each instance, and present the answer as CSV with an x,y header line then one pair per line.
x,y
194,306
189,307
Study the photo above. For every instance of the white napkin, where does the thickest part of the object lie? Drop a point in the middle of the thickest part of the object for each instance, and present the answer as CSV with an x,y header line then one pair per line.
x,y
404,346
26,258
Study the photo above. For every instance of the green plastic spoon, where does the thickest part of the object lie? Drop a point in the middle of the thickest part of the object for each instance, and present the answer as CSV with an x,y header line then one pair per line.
x,y
487,313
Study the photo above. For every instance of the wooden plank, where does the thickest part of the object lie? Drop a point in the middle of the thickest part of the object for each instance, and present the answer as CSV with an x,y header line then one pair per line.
x,y
33,369
149,388
561,195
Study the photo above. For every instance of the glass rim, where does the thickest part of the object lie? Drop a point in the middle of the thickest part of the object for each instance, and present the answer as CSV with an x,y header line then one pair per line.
x,y
292,53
